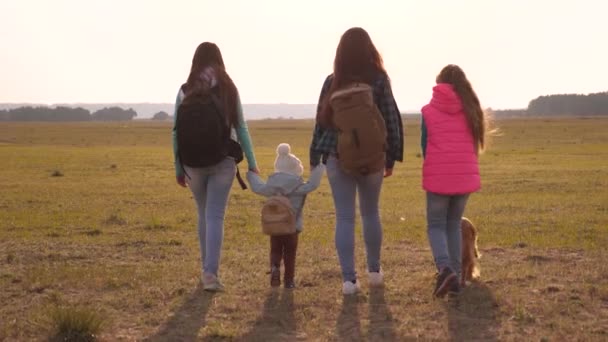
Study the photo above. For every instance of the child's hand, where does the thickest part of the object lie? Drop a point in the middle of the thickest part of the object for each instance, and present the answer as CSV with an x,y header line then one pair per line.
x,y
388,172
181,180
255,170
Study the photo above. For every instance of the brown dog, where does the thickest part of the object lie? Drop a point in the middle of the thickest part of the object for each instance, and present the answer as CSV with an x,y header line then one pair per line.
x,y
470,253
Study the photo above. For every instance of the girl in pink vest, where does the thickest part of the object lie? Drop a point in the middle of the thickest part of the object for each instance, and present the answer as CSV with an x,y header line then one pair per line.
x,y
453,129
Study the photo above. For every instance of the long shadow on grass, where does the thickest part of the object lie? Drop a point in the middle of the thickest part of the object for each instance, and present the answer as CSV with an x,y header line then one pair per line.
x,y
186,322
473,316
277,321
348,326
381,322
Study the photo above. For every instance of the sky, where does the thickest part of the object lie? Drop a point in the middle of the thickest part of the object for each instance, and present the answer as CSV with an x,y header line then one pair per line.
x,y
280,51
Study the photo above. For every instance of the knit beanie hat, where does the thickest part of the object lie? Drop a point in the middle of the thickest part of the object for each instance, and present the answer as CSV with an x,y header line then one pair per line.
x,y
287,162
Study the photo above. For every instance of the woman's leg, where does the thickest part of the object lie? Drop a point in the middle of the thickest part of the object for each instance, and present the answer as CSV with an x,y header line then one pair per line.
x,y
454,234
343,189
197,183
218,189
369,197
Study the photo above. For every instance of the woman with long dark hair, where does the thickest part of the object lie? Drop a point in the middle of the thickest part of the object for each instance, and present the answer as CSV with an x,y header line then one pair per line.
x,y
357,61
211,185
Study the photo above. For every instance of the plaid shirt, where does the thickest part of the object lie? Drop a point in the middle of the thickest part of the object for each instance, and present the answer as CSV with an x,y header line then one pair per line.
x,y
325,141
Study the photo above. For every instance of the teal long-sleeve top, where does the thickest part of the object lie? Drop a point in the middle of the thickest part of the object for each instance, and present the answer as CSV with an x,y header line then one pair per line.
x,y
240,134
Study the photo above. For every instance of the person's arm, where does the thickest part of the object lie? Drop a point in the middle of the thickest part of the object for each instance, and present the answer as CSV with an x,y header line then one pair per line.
x,y
243,136
316,153
313,181
179,171
423,137
257,185
394,125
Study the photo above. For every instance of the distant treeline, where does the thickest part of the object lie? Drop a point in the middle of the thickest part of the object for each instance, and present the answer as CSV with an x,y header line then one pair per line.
x,y
66,114
562,105
551,105
570,104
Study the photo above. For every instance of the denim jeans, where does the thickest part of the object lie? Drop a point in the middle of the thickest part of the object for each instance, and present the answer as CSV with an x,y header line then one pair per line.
x,y
344,188
211,187
443,215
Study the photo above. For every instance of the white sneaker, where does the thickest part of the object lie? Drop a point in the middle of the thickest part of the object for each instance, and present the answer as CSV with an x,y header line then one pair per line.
x,y
350,288
376,279
211,283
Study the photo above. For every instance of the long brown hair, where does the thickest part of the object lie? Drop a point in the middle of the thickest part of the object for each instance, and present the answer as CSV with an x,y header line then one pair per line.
x,y
208,55
476,118
357,60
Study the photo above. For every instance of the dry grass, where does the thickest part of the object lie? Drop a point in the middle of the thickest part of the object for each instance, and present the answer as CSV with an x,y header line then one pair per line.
x,y
116,233
75,324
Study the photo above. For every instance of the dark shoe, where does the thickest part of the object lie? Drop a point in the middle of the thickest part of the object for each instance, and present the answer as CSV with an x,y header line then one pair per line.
x,y
275,276
290,284
445,279
454,290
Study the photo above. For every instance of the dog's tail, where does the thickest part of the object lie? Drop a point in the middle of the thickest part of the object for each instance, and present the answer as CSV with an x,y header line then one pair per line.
x,y
476,272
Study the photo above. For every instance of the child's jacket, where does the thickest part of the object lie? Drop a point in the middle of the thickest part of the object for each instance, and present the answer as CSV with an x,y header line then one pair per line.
x,y
292,186
450,163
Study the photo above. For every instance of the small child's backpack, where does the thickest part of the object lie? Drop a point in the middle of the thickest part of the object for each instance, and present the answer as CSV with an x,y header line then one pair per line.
x,y
278,216
361,129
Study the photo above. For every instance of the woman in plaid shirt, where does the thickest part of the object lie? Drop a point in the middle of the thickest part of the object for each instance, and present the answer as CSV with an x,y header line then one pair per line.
x,y
357,60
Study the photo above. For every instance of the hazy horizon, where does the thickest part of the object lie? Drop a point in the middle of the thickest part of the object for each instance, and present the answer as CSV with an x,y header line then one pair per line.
x,y
277,52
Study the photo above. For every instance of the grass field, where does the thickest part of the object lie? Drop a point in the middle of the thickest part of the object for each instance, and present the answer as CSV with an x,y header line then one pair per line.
x,y
92,223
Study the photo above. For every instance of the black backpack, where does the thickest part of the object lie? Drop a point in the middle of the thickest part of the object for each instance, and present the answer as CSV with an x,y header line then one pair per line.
x,y
203,134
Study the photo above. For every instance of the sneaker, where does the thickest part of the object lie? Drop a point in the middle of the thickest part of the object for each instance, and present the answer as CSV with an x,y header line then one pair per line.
x,y
445,279
376,279
290,284
212,283
275,276
350,288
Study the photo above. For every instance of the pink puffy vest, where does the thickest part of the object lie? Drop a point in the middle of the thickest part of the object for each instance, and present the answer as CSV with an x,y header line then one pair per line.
x,y
450,166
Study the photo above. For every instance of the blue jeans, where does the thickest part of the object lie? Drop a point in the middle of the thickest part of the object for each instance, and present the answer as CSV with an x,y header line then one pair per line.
x,y
443,215
211,187
344,188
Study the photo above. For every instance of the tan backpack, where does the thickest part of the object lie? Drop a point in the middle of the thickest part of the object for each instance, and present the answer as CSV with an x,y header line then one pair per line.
x,y
278,216
361,129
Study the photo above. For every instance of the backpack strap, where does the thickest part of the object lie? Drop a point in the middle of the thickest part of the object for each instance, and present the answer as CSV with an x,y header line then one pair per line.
x,y
240,179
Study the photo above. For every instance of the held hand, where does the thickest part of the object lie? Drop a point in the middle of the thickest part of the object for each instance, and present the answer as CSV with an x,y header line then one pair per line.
x,y
181,180
388,172
255,170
